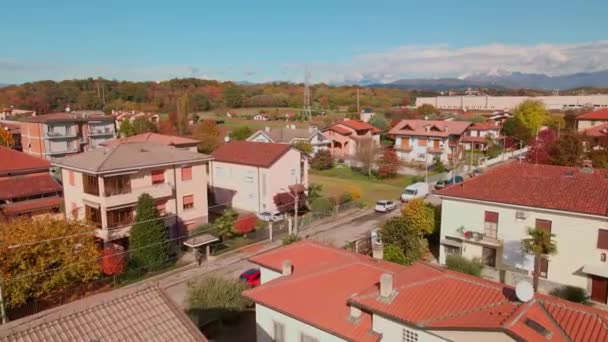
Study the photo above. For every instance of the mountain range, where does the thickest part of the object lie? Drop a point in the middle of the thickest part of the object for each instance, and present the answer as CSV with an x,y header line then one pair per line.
x,y
510,80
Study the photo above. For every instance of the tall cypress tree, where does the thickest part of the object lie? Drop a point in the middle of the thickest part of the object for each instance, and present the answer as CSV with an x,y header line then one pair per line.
x,y
148,244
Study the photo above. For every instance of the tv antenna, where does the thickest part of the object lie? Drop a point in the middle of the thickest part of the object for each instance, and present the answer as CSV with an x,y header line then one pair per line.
x,y
307,111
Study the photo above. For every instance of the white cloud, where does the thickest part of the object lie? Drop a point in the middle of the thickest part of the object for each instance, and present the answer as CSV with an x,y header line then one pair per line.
x,y
414,61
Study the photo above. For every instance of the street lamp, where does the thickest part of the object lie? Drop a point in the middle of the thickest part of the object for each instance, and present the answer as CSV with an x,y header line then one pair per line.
x,y
295,209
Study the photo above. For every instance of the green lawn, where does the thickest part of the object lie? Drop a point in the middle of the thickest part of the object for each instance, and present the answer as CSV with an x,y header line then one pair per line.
x,y
340,179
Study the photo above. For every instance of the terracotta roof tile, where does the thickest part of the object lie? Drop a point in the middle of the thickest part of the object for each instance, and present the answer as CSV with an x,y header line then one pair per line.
x,y
358,125
338,129
436,128
20,161
68,117
597,131
170,140
425,296
601,114
25,185
145,315
250,153
540,186
32,205
484,126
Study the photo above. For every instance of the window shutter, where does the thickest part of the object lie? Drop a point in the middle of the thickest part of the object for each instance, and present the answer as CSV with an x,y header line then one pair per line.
x,y
602,239
422,142
186,173
544,225
188,199
491,216
158,176
71,176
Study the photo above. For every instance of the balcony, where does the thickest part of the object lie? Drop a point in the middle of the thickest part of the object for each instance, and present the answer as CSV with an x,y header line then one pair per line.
x,y
100,131
126,196
479,238
52,135
435,150
404,148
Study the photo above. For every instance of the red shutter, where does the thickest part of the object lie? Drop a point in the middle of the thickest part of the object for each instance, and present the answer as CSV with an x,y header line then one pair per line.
x,y
158,176
186,173
188,199
544,225
602,239
491,216
71,176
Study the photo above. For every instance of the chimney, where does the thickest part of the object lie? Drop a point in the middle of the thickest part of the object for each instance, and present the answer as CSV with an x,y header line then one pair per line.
x,y
386,286
587,166
267,129
286,267
355,313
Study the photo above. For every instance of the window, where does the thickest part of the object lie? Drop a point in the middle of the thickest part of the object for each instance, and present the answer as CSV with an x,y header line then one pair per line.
x,y
602,239
490,224
307,338
161,207
158,176
409,336
188,202
422,142
452,250
93,215
187,173
90,185
278,332
120,217
71,177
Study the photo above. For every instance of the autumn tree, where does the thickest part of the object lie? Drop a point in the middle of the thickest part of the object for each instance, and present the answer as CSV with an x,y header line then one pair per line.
x,y
394,253
388,164
304,146
426,109
240,133
540,244
113,260
419,216
143,125
183,108
126,128
148,243
513,127
39,257
539,147
224,225
379,122
568,150
209,135
322,160
233,97
245,224
403,236
532,114
365,153
6,138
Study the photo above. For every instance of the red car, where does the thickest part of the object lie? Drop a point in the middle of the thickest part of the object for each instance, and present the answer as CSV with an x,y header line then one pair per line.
x,y
251,277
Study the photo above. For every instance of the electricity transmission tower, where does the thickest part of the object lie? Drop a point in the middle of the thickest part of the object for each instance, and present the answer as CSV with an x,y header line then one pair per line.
x,y
307,110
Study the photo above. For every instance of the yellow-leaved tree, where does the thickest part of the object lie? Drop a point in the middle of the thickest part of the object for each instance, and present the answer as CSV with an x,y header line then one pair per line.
x,y
36,258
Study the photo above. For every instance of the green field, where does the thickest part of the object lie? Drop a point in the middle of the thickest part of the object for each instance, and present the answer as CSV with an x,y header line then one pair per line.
x,y
341,179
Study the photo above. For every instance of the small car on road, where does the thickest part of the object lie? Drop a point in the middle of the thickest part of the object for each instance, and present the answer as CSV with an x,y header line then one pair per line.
x,y
251,277
385,206
447,182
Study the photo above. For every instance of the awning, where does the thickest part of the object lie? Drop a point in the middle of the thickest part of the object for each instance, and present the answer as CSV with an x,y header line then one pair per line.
x,y
200,240
598,270
450,242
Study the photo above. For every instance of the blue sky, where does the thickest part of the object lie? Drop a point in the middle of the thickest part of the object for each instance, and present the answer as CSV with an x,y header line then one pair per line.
x,y
273,40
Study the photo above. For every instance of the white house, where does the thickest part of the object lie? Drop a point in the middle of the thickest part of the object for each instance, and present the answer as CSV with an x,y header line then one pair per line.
x,y
247,175
291,135
476,136
487,217
311,292
591,119
345,136
366,114
426,140
261,117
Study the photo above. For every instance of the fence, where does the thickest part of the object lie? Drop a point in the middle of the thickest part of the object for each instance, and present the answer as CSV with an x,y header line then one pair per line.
x,y
501,158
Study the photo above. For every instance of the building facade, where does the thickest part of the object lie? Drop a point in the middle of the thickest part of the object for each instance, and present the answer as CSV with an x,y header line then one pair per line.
x,y
320,293
57,135
477,135
589,120
103,186
489,215
510,102
346,135
247,175
292,135
27,187
426,140
169,140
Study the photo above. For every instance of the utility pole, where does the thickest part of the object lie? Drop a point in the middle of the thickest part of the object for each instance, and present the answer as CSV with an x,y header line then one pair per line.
x,y
307,110
358,109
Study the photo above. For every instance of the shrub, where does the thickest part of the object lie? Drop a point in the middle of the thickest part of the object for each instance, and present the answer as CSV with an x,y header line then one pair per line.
x,y
438,166
394,254
113,260
245,224
291,238
321,205
571,293
464,265
355,193
322,161
346,197
216,298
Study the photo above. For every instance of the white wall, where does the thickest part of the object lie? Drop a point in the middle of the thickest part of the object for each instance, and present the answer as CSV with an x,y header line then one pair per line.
x,y
268,275
265,318
575,236
393,331
510,102
418,152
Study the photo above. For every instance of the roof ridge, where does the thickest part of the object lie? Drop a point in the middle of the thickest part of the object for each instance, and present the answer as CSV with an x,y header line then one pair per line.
x,y
107,155
555,322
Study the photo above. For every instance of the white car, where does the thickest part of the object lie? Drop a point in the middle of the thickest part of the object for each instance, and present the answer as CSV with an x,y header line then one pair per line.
x,y
270,216
385,206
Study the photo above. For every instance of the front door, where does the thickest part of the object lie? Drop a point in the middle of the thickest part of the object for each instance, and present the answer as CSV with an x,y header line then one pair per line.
x,y
599,289
488,256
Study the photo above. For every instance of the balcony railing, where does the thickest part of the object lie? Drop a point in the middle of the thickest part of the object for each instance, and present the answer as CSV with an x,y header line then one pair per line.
x,y
404,148
478,237
435,150
60,134
124,196
100,131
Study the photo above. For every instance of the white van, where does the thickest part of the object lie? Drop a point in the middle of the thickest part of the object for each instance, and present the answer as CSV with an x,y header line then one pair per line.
x,y
416,190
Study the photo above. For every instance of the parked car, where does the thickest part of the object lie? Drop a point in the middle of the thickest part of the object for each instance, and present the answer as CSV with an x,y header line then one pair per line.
x,y
475,172
270,216
385,206
415,190
251,277
447,182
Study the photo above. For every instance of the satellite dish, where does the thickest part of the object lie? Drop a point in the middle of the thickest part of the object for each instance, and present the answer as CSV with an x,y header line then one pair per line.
x,y
226,138
524,291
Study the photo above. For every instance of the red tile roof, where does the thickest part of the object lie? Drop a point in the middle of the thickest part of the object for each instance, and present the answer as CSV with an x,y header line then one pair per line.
x,y
358,125
601,114
170,140
32,205
26,185
425,296
68,117
540,186
436,128
484,126
597,131
250,153
338,129
19,161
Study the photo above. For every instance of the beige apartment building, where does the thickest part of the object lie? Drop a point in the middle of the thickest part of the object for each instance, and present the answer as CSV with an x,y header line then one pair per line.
x,y
103,186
